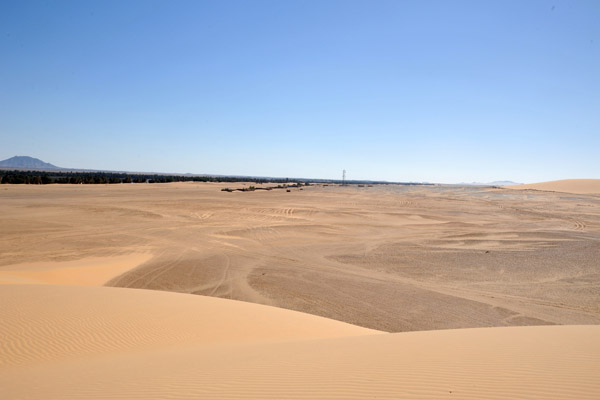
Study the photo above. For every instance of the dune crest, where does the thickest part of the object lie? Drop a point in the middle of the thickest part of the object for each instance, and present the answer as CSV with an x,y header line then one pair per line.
x,y
67,342
52,322
91,271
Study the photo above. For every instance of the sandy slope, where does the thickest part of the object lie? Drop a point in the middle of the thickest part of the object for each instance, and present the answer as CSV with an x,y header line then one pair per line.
x,y
63,342
52,322
93,271
576,186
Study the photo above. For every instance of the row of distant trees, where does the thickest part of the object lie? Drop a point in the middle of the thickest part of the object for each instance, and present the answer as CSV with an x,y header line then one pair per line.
x,y
91,177
45,178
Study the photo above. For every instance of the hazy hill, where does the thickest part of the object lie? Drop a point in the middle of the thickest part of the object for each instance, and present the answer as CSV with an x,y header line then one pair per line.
x,y
24,162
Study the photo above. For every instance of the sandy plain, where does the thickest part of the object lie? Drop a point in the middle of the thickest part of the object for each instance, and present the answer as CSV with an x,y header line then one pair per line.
x,y
385,259
391,258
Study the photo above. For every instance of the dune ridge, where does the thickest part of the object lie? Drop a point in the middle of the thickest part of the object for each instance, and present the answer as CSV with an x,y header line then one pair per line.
x,y
53,322
247,351
92,271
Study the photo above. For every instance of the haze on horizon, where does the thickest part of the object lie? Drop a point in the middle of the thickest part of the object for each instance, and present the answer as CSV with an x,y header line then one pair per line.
x,y
432,91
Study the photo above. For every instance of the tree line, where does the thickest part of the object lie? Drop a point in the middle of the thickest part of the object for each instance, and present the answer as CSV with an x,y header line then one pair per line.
x,y
45,178
97,177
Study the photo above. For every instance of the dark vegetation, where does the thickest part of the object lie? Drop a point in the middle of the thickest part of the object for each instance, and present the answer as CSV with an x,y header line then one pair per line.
x,y
44,178
100,177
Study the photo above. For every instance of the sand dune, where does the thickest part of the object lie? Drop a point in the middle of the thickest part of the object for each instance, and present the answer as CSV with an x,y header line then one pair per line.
x,y
94,271
63,342
52,322
576,186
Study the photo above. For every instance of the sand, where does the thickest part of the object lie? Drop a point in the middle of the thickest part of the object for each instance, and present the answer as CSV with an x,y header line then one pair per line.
x,y
42,323
576,186
390,258
75,324
124,343
93,271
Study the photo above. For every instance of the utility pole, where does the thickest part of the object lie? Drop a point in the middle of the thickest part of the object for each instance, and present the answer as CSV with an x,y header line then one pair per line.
x,y
344,178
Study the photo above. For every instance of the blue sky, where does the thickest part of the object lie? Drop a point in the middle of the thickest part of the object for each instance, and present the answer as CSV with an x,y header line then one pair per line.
x,y
438,91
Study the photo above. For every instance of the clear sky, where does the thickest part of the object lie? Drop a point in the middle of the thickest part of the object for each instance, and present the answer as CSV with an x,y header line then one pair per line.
x,y
438,91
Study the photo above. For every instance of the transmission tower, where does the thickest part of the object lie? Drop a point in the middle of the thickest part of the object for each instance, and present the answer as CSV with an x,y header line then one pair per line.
x,y
344,178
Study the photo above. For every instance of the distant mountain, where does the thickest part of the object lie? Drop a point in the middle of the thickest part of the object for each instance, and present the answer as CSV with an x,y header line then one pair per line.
x,y
24,162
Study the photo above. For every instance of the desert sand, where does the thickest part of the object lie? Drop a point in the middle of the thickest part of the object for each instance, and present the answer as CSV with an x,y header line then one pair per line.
x,y
576,186
371,260
125,343
56,323
390,258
